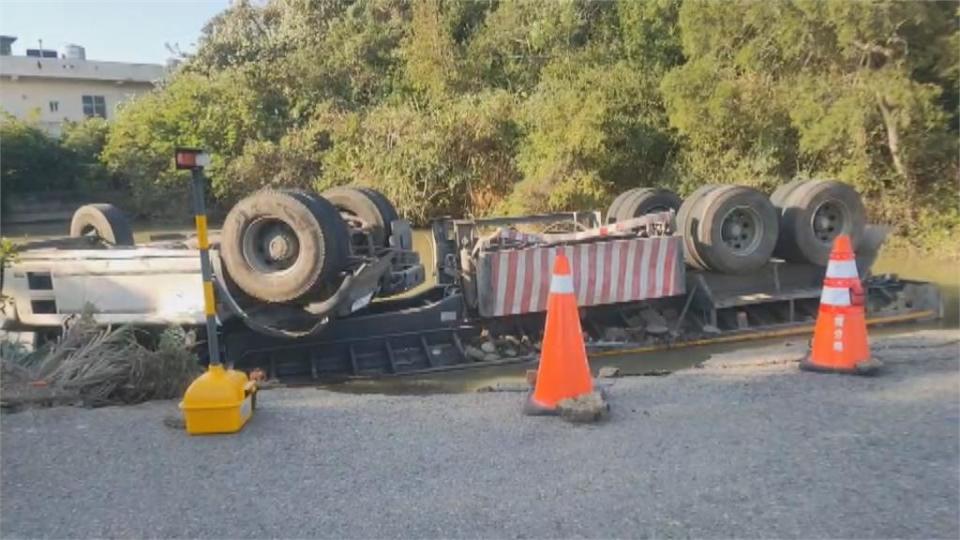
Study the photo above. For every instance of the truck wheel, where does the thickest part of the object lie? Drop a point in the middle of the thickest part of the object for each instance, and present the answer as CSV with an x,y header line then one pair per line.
x,y
779,199
364,208
687,224
614,209
813,215
783,191
738,229
338,245
646,201
387,209
279,246
103,220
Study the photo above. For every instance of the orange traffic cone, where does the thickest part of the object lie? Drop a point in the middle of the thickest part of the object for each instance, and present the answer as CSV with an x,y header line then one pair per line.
x,y
564,371
840,336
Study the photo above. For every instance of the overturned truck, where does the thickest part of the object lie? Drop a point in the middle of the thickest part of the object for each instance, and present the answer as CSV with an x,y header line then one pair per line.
x,y
327,285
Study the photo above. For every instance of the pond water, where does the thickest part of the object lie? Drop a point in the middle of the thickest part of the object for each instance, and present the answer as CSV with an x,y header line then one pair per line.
x,y
944,272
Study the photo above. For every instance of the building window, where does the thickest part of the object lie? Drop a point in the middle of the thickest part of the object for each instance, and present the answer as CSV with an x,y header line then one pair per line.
x,y
54,106
94,106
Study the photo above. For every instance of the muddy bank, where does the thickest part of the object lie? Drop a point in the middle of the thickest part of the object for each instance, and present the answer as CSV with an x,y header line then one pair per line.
x,y
944,272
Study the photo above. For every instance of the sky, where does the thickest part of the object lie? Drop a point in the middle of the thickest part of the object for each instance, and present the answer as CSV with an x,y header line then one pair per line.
x,y
111,30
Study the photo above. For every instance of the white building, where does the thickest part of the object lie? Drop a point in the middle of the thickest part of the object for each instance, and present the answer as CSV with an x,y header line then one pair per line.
x,y
52,88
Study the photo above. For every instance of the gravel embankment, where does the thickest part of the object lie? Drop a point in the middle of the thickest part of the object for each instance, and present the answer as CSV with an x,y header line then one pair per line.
x,y
747,446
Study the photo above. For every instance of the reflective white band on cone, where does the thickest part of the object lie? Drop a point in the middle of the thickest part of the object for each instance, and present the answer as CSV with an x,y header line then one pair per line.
x,y
842,269
562,284
835,296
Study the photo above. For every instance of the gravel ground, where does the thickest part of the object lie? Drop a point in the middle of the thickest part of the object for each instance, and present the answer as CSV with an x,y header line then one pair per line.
x,y
747,446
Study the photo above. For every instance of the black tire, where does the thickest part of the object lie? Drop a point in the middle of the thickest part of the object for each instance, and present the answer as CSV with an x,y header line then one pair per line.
x,y
813,215
387,210
687,222
779,196
281,246
335,229
367,205
647,200
614,208
779,200
738,229
105,221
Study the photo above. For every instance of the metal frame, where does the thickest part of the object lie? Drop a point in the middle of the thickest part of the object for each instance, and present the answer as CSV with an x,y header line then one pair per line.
x,y
429,332
417,334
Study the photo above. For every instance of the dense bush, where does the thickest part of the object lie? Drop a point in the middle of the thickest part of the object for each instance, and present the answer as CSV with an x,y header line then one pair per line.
x,y
840,89
475,107
32,161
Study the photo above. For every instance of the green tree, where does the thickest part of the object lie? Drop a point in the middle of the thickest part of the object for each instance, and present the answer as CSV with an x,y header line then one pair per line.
x,y
431,56
473,107
456,159
83,142
840,89
31,160
651,33
517,39
593,129
219,113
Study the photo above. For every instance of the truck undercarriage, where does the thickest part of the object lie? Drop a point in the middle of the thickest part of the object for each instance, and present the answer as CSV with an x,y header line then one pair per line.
x,y
438,330
646,280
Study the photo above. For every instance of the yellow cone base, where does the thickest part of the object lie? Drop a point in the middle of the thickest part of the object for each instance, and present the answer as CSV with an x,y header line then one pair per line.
x,y
219,401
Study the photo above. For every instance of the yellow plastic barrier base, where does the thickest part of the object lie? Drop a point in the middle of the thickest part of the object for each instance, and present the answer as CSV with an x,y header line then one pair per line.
x,y
219,401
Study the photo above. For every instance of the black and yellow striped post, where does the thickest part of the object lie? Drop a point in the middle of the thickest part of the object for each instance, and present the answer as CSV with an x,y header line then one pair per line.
x,y
220,400
203,244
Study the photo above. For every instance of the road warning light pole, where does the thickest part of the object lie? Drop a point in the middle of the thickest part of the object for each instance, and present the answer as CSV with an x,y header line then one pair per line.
x,y
195,161
221,400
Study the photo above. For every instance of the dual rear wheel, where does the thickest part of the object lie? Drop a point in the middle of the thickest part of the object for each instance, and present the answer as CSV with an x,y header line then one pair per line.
x,y
292,246
812,214
737,229
639,201
728,229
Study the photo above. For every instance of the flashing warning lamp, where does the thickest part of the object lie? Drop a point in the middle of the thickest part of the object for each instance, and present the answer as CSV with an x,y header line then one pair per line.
x,y
191,158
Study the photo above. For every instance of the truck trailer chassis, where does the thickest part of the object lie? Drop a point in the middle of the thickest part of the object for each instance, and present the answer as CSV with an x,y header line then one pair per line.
x,y
440,328
432,330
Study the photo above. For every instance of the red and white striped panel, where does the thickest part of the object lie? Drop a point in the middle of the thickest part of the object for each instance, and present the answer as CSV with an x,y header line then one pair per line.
x,y
511,282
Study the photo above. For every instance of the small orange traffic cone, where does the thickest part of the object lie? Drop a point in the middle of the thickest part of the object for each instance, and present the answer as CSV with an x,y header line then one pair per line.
x,y
564,371
840,336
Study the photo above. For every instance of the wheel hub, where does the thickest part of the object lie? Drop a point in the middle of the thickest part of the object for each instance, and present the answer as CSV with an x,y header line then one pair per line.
x,y
741,230
828,221
270,245
278,247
